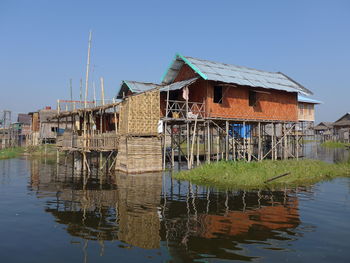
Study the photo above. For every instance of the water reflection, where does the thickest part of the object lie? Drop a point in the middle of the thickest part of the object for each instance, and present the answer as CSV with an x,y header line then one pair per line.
x,y
314,150
155,212
214,224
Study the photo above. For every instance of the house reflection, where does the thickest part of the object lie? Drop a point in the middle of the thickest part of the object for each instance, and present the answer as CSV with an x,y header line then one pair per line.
x,y
217,223
122,207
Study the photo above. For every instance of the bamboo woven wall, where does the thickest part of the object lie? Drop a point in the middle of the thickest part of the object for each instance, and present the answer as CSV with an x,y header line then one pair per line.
x,y
139,154
139,114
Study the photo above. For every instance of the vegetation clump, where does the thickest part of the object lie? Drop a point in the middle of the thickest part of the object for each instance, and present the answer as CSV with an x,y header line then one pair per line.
x,y
42,150
243,175
9,153
331,144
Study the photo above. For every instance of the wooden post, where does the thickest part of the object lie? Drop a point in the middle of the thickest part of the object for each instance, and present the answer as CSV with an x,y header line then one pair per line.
x,y
227,141
188,143
297,141
217,145
259,142
192,144
179,155
164,146
209,141
284,142
172,146
244,142
233,144
198,141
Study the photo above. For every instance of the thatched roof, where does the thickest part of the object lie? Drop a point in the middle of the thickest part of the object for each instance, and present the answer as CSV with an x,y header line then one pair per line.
x,y
323,126
343,121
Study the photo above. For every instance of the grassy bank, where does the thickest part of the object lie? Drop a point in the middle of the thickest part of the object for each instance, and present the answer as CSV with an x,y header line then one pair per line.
x,y
35,151
9,153
243,175
331,144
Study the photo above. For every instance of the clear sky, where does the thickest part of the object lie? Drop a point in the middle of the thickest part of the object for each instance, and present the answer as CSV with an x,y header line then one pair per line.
x,y
43,43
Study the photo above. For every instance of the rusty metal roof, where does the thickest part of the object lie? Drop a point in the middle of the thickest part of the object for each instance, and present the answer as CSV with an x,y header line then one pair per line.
x,y
222,72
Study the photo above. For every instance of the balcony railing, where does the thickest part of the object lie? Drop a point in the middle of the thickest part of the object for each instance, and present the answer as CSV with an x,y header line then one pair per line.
x,y
185,110
101,142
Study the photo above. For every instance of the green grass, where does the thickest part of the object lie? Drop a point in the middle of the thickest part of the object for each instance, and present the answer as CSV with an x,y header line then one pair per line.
x,y
9,153
243,175
331,144
34,151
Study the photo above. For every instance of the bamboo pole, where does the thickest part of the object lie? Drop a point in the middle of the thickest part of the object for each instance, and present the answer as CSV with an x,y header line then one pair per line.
x,y
87,70
102,91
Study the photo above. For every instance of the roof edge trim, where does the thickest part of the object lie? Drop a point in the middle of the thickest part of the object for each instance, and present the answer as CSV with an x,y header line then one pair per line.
x,y
192,66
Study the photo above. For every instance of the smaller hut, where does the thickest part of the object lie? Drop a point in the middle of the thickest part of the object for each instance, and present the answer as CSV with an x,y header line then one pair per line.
x,y
342,128
43,129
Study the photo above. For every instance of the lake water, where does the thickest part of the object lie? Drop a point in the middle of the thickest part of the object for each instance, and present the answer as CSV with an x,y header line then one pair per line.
x,y
49,215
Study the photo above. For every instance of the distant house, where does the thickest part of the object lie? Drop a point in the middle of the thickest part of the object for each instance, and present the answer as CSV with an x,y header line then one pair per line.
x,y
43,129
24,125
306,114
324,128
342,128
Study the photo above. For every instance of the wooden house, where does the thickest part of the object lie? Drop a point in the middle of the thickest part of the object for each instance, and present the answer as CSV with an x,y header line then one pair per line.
x,y
43,128
306,115
342,128
221,97
214,90
324,128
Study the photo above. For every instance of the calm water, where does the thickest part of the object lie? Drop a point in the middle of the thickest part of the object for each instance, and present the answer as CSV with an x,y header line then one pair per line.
x,y
48,215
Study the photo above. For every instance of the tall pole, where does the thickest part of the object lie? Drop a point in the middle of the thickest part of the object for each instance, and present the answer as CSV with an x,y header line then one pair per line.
x,y
81,90
102,91
71,89
87,69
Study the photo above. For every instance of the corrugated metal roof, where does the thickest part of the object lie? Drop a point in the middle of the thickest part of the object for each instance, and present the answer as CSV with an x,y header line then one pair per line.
x,y
215,71
138,87
178,85
308,100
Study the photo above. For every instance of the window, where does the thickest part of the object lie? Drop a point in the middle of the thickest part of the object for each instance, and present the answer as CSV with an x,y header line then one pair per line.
x,y
218,94
252,98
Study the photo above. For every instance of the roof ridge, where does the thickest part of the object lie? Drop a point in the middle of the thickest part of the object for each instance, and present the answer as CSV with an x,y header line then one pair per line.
x,y
239,66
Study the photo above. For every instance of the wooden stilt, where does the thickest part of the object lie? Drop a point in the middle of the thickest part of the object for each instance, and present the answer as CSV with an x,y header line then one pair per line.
x,y
284,141
198,142
227,141
297,141
188,144
208,142
259,142
164,145
172,146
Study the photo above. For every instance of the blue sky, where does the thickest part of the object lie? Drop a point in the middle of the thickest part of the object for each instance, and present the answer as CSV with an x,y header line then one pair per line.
x,y
44,43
